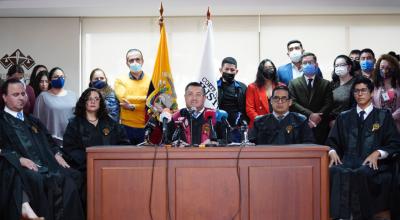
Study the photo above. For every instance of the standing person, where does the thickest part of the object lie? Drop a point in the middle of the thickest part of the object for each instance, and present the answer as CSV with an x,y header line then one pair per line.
x,y
232,97
281,127
50,183
367,62
312,97
55,106
41,82
386,78
131,90
37,69
292,70
16,71
99,81
355,54
362,141
258,93
342,80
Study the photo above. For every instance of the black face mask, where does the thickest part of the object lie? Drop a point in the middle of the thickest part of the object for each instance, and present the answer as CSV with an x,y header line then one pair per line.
x,y
228,77
269,74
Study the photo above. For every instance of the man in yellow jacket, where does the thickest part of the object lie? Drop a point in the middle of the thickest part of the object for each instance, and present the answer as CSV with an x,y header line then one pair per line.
x,y
131,90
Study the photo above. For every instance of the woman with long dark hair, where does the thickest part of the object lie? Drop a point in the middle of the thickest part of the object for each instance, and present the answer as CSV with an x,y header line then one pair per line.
x,y
41,82
258,92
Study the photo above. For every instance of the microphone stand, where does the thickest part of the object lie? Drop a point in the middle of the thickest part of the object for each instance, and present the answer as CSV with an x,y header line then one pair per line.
x,y
212,134
245,129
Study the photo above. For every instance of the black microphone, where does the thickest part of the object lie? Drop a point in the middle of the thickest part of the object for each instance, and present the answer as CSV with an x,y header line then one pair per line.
x,y
150,125
165,119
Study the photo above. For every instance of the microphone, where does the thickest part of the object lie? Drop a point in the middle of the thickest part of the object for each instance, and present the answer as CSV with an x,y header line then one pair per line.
x,y
180,124
165,117
209,115
222,117
150,125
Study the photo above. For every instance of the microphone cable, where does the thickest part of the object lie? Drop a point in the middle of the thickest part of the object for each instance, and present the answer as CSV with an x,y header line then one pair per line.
x,y
239,210
152,181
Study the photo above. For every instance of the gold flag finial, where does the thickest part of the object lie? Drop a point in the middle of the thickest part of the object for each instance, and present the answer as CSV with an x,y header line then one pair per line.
x,y
161,19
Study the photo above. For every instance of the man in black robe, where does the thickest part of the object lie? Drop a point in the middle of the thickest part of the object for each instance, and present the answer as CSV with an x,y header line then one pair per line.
x,y
46,176
190,126
363,140
281,126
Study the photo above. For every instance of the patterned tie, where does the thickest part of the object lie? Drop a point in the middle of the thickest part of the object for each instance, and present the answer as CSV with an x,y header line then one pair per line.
x,y
20,116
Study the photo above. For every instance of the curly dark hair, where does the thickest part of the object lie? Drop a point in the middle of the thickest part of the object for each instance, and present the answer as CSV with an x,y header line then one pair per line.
x,y
80,108
376,76
335,78
260,79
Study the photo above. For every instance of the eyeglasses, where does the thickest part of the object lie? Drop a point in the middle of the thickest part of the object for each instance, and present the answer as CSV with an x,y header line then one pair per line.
x,y
97,99
362,91
277,99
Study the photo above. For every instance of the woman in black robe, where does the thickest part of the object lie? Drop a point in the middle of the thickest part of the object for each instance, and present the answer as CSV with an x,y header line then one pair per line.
x,y
91,126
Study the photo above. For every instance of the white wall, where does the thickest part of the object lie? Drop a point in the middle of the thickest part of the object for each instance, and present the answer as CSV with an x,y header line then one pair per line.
x,y
55,41
49,41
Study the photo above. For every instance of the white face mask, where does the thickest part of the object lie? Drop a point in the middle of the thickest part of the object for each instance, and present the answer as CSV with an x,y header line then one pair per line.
x,y
341,70
295,56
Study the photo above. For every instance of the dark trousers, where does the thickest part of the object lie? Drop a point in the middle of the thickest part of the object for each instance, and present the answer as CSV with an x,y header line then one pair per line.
x,y
135,135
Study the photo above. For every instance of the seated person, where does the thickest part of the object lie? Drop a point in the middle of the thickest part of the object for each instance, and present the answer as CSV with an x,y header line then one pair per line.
x,y
281,126
14,200
91,126
42,165
196,129
362,139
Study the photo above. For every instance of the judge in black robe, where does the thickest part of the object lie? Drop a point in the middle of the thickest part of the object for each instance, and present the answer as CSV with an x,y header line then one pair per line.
x,y
360,167
83,132
43,169
281,127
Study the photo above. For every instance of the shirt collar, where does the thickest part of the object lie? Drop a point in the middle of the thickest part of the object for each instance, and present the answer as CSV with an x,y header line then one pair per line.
x,y
219,83
367,110
307,77
276,115
133,78
198,113
11,112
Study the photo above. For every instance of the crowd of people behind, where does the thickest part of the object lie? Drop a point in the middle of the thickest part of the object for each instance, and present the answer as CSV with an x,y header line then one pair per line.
x,y
45,128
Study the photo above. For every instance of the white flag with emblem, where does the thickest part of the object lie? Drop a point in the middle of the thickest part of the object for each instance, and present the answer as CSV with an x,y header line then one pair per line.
x,y
208,70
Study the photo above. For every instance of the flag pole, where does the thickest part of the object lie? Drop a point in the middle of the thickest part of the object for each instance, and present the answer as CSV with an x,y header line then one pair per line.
x,y
161,18
208,14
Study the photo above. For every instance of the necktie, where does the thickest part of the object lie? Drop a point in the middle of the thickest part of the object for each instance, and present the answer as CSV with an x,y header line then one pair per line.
x,y
280,117
20,116
309,85
362,113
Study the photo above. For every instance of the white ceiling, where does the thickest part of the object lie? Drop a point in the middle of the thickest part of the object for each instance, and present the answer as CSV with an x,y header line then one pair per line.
x,y
121,8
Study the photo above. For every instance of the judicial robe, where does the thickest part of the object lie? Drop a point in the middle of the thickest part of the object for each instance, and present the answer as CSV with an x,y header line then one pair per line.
x,y
356,189
52,185
292,129
80,134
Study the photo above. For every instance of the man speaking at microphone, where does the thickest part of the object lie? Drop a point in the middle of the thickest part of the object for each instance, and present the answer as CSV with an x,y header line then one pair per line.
x,y
196,128
281,127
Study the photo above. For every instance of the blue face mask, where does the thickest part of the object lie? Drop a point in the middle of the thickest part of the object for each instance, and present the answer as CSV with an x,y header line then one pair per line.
x,y
367,65
58,83
135,67
99,84
309,69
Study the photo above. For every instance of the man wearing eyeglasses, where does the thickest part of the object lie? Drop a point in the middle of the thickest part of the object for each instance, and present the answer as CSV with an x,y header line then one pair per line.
x,y
281,126
362,141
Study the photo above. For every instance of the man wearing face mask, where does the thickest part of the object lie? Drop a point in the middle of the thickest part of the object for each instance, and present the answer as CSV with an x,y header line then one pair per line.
x,y
367,62
293,69
131,89
312,97
232,97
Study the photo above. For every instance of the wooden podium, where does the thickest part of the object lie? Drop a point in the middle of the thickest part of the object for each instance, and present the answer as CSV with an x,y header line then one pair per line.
x,y
263,183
